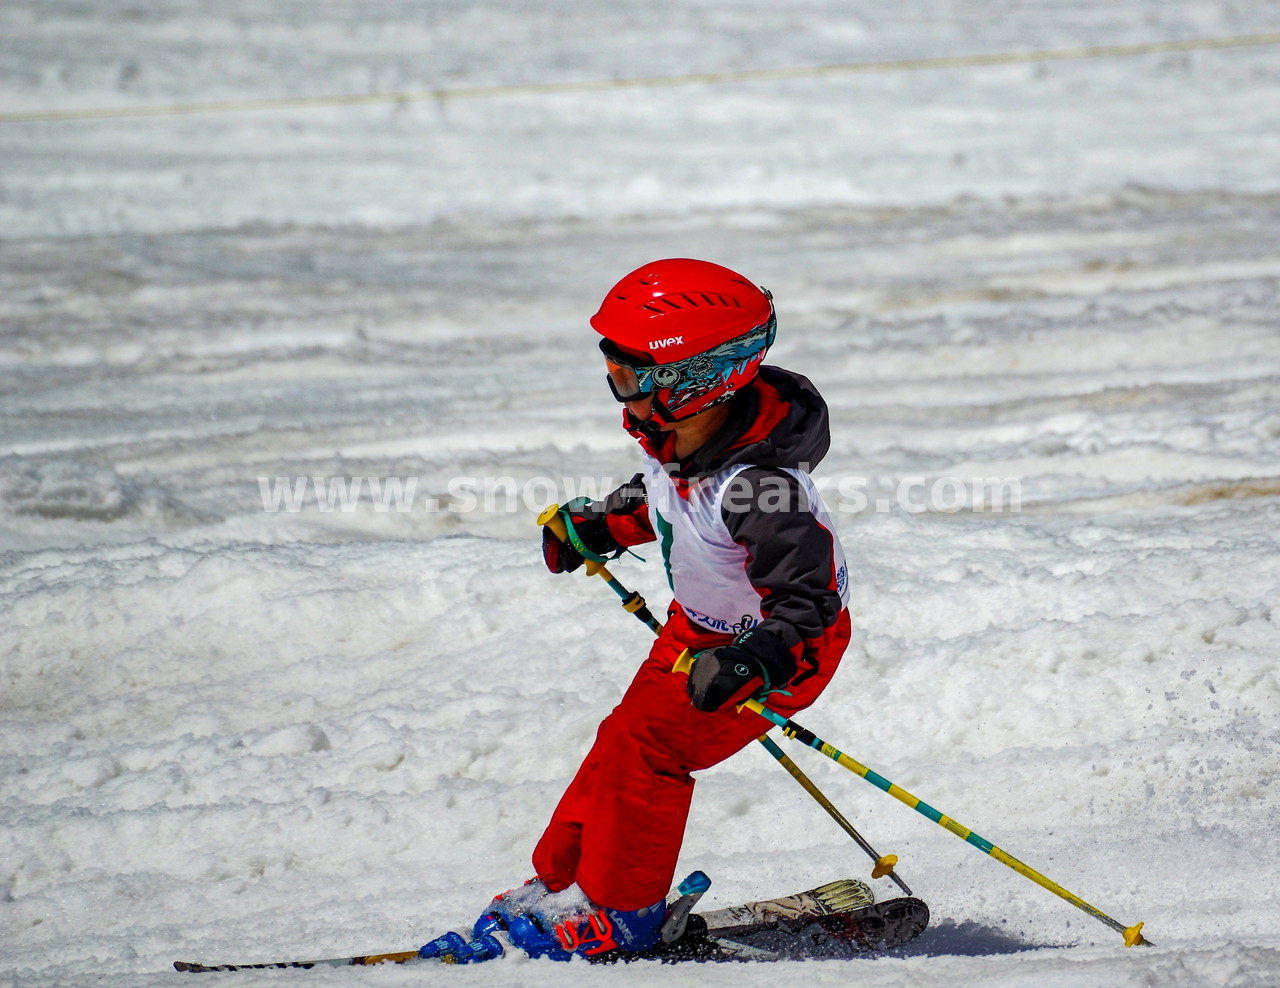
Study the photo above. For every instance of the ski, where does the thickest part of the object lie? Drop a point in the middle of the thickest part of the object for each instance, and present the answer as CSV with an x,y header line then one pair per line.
x,y
836,919
400,957
878,927
838,896
790,935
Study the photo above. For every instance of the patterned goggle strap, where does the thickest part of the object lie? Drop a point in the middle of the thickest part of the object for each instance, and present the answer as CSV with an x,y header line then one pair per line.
x,y
630,379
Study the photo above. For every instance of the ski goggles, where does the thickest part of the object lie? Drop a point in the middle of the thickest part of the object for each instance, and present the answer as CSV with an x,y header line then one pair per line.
x,y
633,377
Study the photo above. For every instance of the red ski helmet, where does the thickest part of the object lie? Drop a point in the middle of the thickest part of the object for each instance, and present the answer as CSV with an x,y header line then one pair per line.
x,y
689,333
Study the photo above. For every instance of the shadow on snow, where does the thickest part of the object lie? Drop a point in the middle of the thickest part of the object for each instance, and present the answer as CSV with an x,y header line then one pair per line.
x,y
967,939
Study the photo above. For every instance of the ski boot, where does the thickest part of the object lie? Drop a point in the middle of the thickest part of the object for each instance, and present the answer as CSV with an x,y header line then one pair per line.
x,y
561,925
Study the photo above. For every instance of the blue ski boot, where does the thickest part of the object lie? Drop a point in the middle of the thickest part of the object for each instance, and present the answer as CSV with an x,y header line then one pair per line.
x,y
563,924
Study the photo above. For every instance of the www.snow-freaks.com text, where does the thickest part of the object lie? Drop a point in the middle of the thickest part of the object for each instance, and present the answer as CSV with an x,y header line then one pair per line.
x,y
505,494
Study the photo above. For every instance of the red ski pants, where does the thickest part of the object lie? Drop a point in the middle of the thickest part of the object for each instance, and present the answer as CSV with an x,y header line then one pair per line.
x,y
618,827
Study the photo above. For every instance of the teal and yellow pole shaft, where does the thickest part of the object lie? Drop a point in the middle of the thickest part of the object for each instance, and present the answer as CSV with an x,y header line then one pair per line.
x,y
1132,934
884,864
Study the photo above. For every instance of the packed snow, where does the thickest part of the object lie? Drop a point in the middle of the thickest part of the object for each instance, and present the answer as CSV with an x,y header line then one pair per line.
x,y
282,392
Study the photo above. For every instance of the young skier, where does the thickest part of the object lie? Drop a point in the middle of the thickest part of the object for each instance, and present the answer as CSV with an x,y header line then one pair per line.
x,y
759,582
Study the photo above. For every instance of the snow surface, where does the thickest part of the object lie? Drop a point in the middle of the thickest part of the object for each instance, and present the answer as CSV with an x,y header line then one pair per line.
x,y
231,734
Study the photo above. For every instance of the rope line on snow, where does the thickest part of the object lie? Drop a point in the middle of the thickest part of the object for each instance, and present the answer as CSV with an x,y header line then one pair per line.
x,y
648,82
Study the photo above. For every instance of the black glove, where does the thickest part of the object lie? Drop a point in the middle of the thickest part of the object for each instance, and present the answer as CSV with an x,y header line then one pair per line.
x,y
754,662
560,557
592,531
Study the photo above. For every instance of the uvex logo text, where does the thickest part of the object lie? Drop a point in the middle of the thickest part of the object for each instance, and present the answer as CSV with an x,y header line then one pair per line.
x,y
669,341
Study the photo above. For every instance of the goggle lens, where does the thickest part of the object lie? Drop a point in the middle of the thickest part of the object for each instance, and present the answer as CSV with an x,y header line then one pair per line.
x,y
624,382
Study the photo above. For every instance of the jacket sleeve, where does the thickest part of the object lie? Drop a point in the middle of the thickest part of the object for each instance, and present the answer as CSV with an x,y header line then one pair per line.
x,y
791,559
619,520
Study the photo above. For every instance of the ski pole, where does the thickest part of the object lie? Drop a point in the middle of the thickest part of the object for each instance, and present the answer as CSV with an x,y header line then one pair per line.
x,y
635,604
1132,934
883,864
632,602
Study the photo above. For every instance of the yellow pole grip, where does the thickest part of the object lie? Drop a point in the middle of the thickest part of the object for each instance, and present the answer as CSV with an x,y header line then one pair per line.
x,y
550,517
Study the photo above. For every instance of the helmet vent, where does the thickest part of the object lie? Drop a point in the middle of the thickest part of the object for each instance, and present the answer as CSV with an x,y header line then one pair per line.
x,y
730,302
